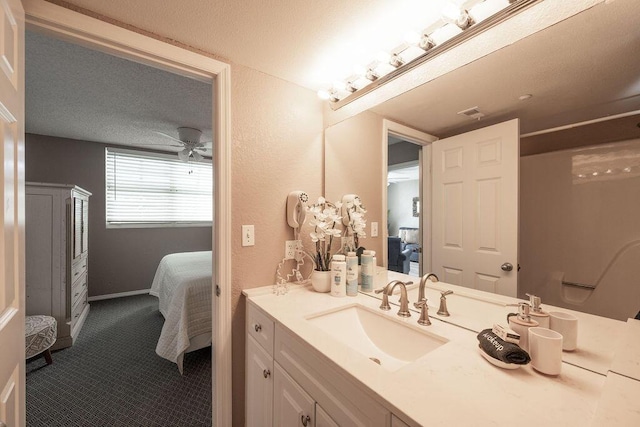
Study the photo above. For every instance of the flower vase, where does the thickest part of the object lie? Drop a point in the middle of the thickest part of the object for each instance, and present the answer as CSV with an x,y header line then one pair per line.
x,y
321,281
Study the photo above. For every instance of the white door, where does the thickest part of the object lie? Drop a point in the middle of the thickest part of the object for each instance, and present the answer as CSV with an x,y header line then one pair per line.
x,y
475,208
292,406
12,364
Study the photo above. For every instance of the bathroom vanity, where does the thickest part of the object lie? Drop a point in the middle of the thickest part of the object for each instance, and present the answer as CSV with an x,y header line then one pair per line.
x,y
309,363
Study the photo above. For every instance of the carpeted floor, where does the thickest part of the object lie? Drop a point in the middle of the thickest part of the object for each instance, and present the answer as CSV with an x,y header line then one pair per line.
x,y
112,375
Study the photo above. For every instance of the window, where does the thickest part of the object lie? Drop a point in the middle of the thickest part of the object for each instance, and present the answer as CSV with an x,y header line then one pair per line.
x,y
157,190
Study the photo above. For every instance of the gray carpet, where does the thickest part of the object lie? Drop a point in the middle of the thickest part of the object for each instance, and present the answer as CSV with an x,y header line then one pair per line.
x,y
113,377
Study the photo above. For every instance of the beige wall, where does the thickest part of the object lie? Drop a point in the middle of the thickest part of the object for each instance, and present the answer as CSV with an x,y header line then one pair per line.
x,y
346,162
277,141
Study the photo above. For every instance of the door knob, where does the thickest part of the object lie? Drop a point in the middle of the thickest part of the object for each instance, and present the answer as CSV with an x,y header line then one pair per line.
x,y
507,266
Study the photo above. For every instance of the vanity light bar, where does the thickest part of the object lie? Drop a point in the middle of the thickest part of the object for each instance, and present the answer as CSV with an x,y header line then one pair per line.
x,y
453,31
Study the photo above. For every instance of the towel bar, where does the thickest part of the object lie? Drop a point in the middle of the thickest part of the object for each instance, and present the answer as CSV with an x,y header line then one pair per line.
x,y
579,285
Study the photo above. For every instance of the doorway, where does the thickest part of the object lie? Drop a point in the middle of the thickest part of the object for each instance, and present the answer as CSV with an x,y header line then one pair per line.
x,y
63,23
403,206
406,172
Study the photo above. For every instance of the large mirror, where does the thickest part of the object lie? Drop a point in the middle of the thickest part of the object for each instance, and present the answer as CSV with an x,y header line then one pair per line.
x,y
578,230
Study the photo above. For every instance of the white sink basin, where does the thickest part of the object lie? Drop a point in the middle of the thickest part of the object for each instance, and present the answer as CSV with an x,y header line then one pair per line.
x,y
392,343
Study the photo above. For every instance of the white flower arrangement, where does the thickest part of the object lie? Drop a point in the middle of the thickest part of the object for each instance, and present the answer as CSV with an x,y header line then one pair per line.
x,y
324,221
355,222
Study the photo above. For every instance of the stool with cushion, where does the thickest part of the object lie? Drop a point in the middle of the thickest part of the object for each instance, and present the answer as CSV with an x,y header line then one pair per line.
x,y
40,334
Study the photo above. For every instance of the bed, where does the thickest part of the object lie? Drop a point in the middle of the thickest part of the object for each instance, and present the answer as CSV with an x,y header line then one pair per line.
x,y
182,285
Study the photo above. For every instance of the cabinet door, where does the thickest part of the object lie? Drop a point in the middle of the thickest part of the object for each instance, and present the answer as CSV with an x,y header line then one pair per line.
x,y
323,419
259,399
397,422
292,406
85,225
77,227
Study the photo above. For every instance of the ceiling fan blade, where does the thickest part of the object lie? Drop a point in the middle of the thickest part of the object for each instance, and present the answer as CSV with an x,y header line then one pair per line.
x,y
161,144
196,156
184,155
167,135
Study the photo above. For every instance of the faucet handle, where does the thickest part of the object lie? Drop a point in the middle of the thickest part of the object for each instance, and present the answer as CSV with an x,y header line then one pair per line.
x,y
424,312
385,298
442,310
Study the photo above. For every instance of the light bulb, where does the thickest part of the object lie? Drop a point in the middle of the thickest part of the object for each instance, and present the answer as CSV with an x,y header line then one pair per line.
x,y
383,57
487,8
359,70
412,37
450,12
324,94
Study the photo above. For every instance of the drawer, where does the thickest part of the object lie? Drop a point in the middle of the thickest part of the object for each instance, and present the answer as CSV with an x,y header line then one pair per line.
x,y
78,308
78,288
260,327
79,267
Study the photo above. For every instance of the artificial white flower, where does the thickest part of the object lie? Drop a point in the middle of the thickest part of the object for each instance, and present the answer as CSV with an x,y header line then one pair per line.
x,y
324,219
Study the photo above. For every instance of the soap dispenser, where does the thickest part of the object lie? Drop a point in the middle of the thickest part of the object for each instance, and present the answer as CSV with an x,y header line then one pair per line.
x,y
537,314
521,322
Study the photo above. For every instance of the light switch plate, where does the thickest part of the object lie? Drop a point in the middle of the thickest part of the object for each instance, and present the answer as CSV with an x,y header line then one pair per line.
x,y
248,235
374,229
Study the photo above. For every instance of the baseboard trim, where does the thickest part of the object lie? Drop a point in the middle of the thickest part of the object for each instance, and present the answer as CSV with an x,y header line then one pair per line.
x,y
118,295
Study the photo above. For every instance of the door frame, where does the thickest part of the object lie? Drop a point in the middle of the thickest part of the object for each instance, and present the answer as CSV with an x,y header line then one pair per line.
x,y
391,128
98,35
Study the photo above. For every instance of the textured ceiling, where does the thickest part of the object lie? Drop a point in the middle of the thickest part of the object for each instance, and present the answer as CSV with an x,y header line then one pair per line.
x,y
77,93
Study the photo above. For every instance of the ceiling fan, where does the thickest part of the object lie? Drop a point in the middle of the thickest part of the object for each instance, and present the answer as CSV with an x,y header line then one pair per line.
x,y
189,139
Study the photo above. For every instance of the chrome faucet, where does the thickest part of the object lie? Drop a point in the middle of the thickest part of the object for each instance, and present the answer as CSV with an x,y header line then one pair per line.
x,y
404,299
423,282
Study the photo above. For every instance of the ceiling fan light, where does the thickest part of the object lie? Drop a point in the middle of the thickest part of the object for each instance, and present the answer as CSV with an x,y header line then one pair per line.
x,y
189,134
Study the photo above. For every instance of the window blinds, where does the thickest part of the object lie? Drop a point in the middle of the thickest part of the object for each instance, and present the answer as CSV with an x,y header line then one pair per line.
x,y
148,189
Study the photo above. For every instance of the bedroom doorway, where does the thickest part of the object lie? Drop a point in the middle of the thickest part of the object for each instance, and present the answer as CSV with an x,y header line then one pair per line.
x,y
62,23
406,160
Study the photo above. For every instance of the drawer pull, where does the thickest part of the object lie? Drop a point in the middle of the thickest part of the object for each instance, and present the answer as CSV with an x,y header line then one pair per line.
x,y
76,316
305,420
257,327
77,293
76,273
266,373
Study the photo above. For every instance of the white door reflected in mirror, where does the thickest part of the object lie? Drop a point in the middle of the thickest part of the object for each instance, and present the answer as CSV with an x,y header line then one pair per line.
x,y
475,208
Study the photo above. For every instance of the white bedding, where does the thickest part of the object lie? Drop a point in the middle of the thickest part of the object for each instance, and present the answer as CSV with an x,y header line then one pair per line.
x,y
183,286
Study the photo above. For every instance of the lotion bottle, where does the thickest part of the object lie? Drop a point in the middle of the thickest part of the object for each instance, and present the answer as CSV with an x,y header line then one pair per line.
x,y
521,322
537,314
338,276
367,271
352,274
374,269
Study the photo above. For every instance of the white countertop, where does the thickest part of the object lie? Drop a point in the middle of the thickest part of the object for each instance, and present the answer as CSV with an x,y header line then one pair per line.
x,y
627,361
478,310
618,405
450,383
